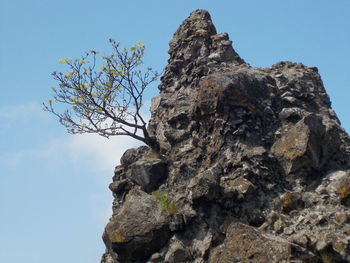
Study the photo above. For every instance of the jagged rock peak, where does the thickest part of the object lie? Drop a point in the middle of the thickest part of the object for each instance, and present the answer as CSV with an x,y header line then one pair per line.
x,y
252,164
196,47
198,24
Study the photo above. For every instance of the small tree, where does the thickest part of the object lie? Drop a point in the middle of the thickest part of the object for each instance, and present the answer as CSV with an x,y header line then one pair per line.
x,y
108,100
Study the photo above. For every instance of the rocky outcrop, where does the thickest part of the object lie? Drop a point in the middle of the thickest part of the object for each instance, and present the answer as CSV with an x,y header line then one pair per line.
x,y
138,229
252,165
247,244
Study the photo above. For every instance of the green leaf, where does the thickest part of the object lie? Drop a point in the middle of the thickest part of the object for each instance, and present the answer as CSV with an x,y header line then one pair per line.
x,y
82,61
64,61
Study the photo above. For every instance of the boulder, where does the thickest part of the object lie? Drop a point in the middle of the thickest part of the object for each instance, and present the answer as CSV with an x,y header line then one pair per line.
x,y
139,228
148,173
300,144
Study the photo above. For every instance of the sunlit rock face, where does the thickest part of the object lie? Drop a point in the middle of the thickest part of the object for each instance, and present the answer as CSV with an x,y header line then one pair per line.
x,y
252,166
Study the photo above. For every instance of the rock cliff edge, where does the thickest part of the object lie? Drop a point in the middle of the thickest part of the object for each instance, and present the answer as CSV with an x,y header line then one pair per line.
x,y
252,165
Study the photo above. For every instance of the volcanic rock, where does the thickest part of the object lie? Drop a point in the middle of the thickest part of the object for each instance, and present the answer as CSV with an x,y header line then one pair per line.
x,y
252,165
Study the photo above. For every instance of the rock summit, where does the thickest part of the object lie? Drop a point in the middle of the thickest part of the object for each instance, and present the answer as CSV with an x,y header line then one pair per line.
x,y
252,166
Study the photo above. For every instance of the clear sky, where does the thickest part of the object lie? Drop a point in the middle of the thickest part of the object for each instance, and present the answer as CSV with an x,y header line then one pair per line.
x,y
54,197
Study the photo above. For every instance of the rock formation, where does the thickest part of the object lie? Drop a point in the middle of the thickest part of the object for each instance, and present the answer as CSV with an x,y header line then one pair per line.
x,y
252,165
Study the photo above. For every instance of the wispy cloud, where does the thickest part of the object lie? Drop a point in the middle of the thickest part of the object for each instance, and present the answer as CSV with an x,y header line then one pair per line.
x,y
12,159
92,152
14,115
98,152
104,153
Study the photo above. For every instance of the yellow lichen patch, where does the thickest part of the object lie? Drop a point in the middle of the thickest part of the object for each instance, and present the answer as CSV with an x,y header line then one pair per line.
x,y
153,154
278,225
118,235
340,247
293,144
344,191
209,84
288,202
343,188
287,148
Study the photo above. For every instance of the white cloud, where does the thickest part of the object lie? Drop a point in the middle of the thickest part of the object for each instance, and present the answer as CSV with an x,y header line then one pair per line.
x,y
12,159
91,151
104,153
96,152
14,115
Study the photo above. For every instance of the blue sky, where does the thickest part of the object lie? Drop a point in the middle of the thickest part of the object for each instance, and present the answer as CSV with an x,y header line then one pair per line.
x,y
54,197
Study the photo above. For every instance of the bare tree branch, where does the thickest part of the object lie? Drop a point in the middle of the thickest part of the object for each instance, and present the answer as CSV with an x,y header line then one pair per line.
x,y
106,101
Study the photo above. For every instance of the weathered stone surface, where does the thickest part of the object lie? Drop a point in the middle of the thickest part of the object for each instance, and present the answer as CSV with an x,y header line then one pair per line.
x,y
119,186
242,88
257,164
245,244
177,253
132,155
289,201
340,185
149,174
299,146
107,258
238,187
205,185
138,229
